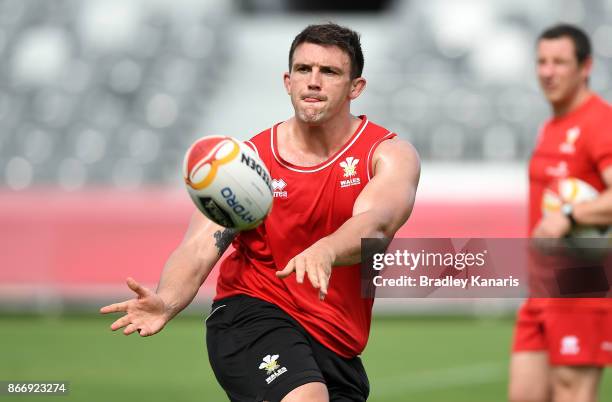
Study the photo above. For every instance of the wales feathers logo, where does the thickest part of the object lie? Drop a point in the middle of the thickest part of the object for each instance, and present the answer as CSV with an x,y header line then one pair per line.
x,y
350,169
269,364
349,166
273,369
569,147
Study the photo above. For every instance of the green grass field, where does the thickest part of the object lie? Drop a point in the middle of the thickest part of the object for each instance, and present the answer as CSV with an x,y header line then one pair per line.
x,y
408,359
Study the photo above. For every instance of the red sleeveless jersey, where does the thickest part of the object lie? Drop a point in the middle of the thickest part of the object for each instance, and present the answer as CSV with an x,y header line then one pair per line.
x,y
578,144
309,204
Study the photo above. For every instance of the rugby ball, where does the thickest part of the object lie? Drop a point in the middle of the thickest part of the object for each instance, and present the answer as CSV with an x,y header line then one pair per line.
x,y
573,191
228,182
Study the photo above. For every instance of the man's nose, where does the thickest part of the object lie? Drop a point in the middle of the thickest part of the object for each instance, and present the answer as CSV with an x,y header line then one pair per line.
x,y
545,69
315,80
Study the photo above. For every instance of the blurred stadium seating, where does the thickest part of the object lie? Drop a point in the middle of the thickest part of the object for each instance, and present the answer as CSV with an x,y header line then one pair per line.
x,y
100,98
103,92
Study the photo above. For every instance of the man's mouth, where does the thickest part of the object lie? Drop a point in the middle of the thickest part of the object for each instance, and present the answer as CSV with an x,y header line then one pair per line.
x,y
312,99
549,85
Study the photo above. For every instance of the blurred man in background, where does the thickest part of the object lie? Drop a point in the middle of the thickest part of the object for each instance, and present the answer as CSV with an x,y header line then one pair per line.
x,y
342,178
561,345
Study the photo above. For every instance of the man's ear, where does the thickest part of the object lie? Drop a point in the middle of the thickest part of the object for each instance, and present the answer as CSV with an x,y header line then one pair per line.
x,y
357,86
287,82
586,68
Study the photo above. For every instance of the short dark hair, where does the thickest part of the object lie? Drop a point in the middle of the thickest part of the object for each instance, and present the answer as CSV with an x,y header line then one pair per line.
x,y
331,34
582,44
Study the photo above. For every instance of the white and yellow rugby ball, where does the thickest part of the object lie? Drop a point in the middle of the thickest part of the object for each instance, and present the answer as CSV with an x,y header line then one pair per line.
x,y
573,191
228,182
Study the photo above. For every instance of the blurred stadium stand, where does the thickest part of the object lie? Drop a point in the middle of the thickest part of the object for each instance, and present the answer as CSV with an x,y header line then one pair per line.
x,y
100,98
103,92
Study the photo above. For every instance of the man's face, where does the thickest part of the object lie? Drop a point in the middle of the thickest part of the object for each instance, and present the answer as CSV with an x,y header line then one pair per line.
x,y
560,75
319,82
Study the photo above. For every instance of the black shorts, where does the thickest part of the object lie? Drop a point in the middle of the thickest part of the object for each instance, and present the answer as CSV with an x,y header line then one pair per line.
x,y
259,353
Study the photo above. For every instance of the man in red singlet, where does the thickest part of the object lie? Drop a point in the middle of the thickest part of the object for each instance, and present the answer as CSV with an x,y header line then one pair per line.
x,y
288,321
561,345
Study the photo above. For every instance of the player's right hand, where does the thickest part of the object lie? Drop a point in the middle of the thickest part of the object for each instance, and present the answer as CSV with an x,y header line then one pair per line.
x,y
146,314
316,262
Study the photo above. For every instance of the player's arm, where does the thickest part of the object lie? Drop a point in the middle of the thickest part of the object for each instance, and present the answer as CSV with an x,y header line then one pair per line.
x,y
596,212
185,271
190,264
382,207
385,203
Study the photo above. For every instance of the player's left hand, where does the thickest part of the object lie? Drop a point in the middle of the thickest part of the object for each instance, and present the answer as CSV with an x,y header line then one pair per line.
x,y
554,225
316,262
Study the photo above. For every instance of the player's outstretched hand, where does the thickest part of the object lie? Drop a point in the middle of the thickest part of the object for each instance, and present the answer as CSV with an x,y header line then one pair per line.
x,y
146,314
316,262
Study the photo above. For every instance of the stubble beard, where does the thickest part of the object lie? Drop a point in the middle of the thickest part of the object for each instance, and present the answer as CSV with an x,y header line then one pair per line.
x,y
562,96
311,116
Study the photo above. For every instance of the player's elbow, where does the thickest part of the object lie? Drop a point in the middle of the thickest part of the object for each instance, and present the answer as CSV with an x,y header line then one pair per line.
x,y
387,224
